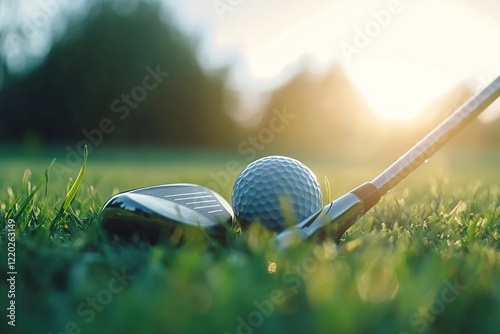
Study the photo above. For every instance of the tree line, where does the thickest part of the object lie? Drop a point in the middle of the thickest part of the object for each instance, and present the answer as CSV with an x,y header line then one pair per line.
x,y
134,79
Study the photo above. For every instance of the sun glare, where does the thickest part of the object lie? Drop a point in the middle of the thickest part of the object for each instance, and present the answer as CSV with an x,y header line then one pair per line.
x,y
398,90
407,60
402,72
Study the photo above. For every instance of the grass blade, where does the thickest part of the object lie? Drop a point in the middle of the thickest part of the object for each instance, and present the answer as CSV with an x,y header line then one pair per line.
x,y
328,190
47,177
70,196
28,199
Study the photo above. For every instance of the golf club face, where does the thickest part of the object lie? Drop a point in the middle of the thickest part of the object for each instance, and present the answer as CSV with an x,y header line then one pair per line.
x,y
334,219
330,222
178,212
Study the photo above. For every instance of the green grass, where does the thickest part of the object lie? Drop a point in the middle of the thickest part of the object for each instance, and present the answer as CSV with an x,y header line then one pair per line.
x,y
426,259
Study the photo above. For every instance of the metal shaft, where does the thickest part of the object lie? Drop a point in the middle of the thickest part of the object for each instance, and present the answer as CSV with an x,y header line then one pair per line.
x,y
434,140
335,218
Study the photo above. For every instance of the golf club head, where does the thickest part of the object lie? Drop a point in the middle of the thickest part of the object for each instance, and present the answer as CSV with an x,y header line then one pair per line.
x,y
330,222
334,219
177,212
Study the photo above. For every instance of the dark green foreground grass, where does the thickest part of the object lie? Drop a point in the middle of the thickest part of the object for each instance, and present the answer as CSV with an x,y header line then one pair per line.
x,y
425,259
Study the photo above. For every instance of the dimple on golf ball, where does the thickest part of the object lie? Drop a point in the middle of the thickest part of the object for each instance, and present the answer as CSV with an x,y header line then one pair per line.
x,y
269,186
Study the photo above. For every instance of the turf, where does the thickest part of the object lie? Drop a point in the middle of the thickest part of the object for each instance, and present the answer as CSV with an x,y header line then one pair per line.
x,y
426,259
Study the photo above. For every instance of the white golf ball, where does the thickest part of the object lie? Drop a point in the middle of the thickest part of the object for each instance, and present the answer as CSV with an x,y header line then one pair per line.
x,y
271,184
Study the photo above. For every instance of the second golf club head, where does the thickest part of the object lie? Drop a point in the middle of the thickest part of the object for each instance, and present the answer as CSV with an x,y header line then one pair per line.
x,y
177,212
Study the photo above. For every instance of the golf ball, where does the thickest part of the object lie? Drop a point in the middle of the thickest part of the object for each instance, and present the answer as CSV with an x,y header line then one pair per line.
x,y
273,189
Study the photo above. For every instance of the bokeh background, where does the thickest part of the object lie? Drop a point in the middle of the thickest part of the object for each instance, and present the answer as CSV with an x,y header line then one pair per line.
x,y
345,81
165,91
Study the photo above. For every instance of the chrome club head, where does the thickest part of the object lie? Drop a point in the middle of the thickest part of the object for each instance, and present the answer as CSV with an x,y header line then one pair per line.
x,y
177,212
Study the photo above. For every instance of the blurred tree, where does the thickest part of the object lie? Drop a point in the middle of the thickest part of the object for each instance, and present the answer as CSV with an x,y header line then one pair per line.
x,y
328,112
330,115
134,69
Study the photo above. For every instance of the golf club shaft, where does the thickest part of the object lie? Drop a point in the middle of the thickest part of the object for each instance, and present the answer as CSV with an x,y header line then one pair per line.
x,y
338,216
437,138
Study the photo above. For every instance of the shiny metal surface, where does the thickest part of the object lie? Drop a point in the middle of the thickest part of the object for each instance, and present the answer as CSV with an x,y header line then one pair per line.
x,y
332,221
160,212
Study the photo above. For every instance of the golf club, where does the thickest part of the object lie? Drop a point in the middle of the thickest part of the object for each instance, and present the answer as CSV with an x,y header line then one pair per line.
x,y
179,210
335,218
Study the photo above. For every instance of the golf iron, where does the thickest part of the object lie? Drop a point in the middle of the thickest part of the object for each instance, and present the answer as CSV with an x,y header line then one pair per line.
x,y
335,218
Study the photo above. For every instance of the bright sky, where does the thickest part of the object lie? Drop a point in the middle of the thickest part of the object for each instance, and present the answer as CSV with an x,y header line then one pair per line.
x,y
400,54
